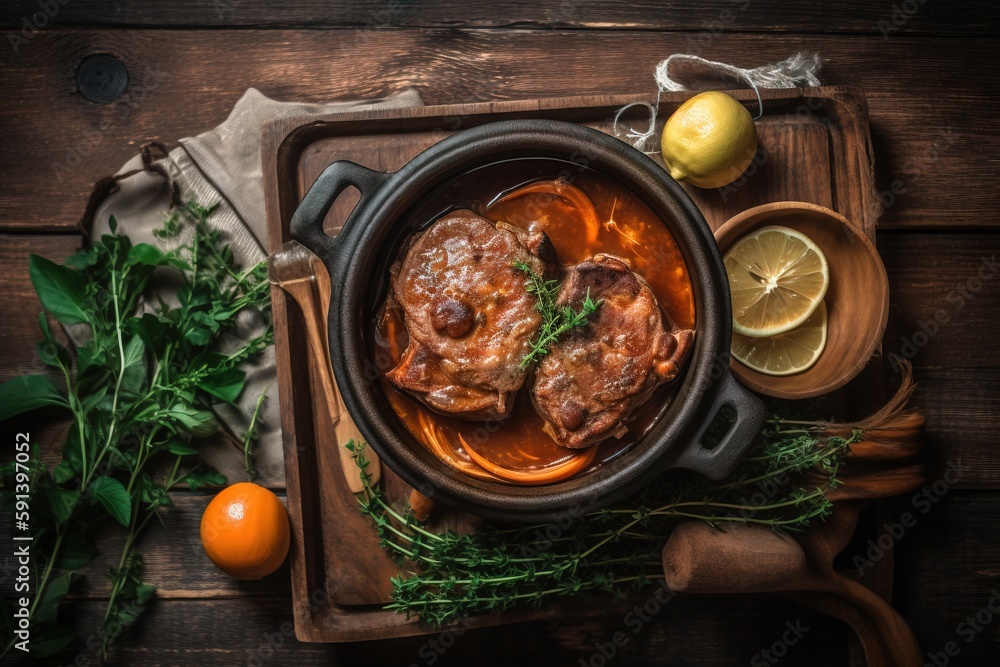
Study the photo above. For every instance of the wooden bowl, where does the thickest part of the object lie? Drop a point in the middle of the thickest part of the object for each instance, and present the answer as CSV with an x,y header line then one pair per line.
x,y
857,300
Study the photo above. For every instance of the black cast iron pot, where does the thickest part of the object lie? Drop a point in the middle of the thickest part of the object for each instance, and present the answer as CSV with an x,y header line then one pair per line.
x,y
358,260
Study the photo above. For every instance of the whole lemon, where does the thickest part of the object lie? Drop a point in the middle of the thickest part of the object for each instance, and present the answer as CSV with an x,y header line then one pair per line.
x,y
709,141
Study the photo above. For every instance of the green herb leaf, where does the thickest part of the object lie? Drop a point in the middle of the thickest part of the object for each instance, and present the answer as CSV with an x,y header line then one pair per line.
x,y
83,259
91,356
49,641
149,255
95,399
141,384
48,605
199,423
28,392
60,289
202,477
180,448
51,351
143,592
556,321
63,472
152,329
62,501
226,386
134,365
77,550
114,497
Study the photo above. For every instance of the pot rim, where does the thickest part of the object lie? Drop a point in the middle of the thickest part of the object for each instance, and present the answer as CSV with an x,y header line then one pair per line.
x,y
370,226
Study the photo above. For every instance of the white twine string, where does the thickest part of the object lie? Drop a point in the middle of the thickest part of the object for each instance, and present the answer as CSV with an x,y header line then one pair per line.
x,y
800,69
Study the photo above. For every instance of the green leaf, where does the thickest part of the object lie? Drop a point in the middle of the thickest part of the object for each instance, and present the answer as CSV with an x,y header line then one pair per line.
x,y
90,402
89,356
198,336
62,501
112,224
72,451
199,423
28,392
63,472
180,448
121,459
83,259
203,476
152,494
143,592
76,550
49,641
114,497
60,289
51,351
52,595
225,386
134,350
149,255
151,329
134,369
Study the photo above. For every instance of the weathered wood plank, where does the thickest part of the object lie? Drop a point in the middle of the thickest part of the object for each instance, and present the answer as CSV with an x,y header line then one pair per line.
x,y
723,630
946,570
850,16
56,144
174,558
19,316
944,305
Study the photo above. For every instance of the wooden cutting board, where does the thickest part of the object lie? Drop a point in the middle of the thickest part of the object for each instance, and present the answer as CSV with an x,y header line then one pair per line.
x,y
814,147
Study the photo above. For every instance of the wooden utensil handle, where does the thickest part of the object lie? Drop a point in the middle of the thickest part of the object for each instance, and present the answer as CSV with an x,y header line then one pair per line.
x,y
885,637
345,428
304,294
314,336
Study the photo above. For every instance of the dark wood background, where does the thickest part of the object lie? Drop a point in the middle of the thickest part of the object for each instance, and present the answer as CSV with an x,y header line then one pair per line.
x,y
930,72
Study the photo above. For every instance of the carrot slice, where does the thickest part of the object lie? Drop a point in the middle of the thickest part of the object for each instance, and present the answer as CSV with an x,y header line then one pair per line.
x,y
570,193
580,461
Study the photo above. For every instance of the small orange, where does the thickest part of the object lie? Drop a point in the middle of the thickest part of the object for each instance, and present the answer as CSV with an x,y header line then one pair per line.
x,y
245,531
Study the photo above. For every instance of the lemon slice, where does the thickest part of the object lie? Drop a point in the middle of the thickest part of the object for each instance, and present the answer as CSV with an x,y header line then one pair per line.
x,y
777,278
786,353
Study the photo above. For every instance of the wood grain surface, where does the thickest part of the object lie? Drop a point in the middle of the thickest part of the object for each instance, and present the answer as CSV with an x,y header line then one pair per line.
x,y
951,552
911,108
843,16
932,90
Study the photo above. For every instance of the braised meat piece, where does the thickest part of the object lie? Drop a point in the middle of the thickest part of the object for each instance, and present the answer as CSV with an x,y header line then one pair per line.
x,y
468,313
596,375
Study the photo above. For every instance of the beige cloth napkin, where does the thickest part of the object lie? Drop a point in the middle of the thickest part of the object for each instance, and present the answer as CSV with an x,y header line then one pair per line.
x,y
222,165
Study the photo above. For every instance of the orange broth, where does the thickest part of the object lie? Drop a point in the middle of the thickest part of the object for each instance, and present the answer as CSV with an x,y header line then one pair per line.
x,y
627,229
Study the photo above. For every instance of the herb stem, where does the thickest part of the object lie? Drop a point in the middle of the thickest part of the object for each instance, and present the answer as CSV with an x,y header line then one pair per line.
x,y
60,533
555,321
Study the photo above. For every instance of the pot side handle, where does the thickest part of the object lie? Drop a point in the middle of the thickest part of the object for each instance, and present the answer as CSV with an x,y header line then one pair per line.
x,y
306,225
718,461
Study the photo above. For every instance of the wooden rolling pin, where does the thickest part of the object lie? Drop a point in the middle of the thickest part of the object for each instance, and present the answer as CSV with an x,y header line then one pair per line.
x,y
752,559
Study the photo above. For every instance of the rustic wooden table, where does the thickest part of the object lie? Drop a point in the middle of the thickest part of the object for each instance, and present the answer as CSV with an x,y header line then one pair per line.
x,y
932,90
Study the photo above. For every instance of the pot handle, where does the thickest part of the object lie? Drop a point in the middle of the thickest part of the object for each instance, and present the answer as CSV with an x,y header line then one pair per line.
x,y
718,461
306,225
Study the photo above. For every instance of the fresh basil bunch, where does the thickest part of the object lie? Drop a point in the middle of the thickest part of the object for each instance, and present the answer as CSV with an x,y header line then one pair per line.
x,y
139,392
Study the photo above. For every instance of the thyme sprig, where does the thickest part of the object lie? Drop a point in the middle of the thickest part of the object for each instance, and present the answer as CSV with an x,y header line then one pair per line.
x,y
556,320
450,575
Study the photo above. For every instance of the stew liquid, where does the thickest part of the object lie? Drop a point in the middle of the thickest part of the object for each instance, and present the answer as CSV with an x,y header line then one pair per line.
x,y
626,228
